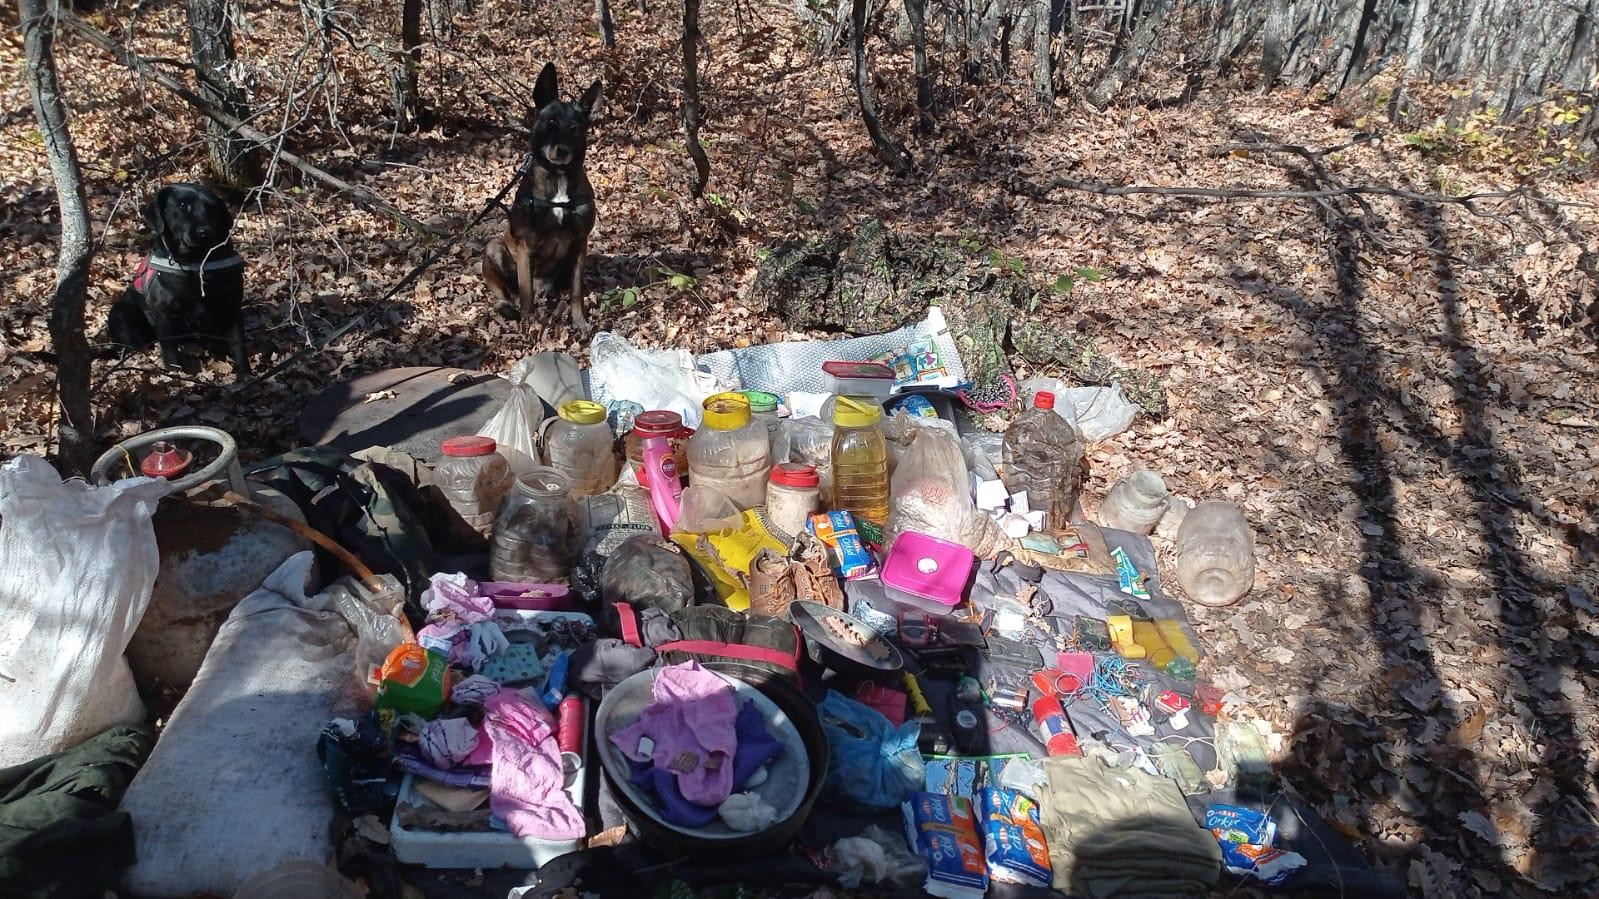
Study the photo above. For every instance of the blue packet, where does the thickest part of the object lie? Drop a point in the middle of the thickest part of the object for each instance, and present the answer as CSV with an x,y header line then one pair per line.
x,y
1236,824
1014,838
1132,583
942,832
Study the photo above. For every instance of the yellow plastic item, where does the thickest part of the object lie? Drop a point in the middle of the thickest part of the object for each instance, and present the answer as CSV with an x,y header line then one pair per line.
x,y
1147,635
583,412
726,556
1121,636
913,691
853,412
726,411
1172,631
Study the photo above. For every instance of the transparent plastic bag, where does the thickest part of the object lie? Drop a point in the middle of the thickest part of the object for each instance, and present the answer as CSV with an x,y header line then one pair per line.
x,y
77,564
373,615
931,490
618,371
1098,412
706,510
515,427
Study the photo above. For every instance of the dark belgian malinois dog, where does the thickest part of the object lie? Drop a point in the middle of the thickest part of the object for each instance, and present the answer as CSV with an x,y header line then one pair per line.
x,y
544,244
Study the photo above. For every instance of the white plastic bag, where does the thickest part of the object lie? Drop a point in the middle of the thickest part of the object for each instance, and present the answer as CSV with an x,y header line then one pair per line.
x,y
77,564
234,786
930,490
655,379
1098,412
516,426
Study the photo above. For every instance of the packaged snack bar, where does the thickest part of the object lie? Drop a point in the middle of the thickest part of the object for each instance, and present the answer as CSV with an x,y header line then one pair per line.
x,y
942,831
1013,838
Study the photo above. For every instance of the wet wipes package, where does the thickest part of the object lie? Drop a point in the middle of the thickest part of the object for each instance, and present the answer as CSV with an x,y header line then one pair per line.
x,y
1013,837
1246,837
942,831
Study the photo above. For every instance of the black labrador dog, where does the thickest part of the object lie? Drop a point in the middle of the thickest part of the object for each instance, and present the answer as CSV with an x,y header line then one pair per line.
x,y
190,289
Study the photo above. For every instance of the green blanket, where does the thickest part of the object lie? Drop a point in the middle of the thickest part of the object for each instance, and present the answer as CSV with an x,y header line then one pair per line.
x,y
61,836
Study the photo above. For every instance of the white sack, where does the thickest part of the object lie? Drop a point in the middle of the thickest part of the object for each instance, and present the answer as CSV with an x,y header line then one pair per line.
x,y
234,786
77,564
515,427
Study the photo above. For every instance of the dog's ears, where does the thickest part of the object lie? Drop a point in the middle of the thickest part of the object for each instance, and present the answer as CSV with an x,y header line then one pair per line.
x,y
590,101
544,90
154,215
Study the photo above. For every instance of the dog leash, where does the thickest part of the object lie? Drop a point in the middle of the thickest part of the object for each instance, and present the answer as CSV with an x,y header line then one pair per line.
x,y
497,201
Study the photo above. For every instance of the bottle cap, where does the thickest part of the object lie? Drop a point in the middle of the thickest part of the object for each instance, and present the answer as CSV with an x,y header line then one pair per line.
x,y
856,412
582,412
461,447
727,411
1043,399
795,474
657,423
761,401
165,461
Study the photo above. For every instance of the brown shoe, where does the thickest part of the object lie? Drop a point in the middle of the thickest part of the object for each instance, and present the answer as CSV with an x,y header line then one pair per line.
x,y
771,584
814,580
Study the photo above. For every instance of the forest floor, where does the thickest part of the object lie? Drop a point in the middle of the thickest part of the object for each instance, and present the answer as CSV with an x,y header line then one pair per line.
x,y
1402,398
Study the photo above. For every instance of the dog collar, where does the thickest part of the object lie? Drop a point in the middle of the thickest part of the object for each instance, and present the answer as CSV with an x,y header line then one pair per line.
x,y
216,263
569,203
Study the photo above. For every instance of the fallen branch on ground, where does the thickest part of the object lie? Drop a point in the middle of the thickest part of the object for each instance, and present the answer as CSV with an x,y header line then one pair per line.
x,y
1041,192
362,196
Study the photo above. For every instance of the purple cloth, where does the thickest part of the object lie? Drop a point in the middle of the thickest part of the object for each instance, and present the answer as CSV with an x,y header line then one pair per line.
x,y
690,722
457,595
447,742
527,790
411,761
756,747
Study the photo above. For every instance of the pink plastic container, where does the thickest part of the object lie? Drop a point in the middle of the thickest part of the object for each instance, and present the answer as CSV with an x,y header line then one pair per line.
x,y
530,597
926,573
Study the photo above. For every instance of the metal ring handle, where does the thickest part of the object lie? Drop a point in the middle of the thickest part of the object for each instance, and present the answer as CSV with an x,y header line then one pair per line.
x,y
227,460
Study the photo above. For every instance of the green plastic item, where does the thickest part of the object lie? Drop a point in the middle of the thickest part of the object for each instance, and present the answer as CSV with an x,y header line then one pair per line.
x,y
415,681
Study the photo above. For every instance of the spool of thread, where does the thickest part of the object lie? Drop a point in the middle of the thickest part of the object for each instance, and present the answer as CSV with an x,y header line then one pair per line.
x,y
1053,727
569,725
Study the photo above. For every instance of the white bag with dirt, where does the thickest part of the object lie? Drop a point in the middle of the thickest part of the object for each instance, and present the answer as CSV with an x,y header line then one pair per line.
x,y
77,564
515,427
234,786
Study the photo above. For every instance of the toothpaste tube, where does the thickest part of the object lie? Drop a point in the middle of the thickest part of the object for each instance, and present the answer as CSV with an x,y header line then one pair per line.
x,y
849,555
1132,582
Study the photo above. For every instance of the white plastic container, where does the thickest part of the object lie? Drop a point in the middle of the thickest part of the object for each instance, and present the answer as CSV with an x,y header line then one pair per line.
x,y
1135,503
481,849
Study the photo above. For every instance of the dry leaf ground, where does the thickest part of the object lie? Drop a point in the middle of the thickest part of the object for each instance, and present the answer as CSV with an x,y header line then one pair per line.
x,y
1409,416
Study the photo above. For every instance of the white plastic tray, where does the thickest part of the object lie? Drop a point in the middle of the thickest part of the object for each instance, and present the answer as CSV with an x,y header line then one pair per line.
x,y
481,849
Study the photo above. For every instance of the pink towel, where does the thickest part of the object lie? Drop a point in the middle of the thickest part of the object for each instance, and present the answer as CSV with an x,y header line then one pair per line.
x,y
690,721
526,787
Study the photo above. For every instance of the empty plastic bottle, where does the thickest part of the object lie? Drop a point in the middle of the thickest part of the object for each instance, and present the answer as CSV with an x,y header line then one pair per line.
x,y
1044,459
730,452
579,445
1135,503
1215,554
860,459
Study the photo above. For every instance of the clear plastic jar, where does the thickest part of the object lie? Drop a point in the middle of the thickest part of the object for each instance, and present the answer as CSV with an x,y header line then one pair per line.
x,y
580,446
792,493
657,423
763,410
539,530
1135,503
1044,459
860,459
1215,554
474,478
730,453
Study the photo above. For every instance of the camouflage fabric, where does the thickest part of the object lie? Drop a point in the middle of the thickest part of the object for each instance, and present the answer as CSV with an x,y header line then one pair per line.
x,y
370,509
872,281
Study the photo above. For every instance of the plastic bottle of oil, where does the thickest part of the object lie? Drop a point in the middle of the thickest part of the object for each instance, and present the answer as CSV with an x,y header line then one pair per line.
x,y
860,459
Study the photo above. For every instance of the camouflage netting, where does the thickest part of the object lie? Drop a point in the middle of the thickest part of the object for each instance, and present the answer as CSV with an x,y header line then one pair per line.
x,y
873,281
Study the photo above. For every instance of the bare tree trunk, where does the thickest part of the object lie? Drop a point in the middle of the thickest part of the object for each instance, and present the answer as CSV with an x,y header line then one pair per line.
x,y
1116,72
1415,50
410,63
893,154
916,11
691,96
76,452
233,162
602,15
1580,60
1043,68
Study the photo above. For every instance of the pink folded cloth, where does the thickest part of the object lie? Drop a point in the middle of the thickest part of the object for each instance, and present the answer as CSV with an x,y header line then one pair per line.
x,y
526,787
687,729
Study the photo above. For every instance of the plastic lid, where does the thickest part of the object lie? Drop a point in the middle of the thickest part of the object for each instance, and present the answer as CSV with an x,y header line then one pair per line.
x,y
469,446
583,412
1043,399
727,411
165,461
761,401
657,423
856,412
795,474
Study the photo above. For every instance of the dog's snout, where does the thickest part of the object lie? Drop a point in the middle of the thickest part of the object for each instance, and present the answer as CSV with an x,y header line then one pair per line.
x,y
560,154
